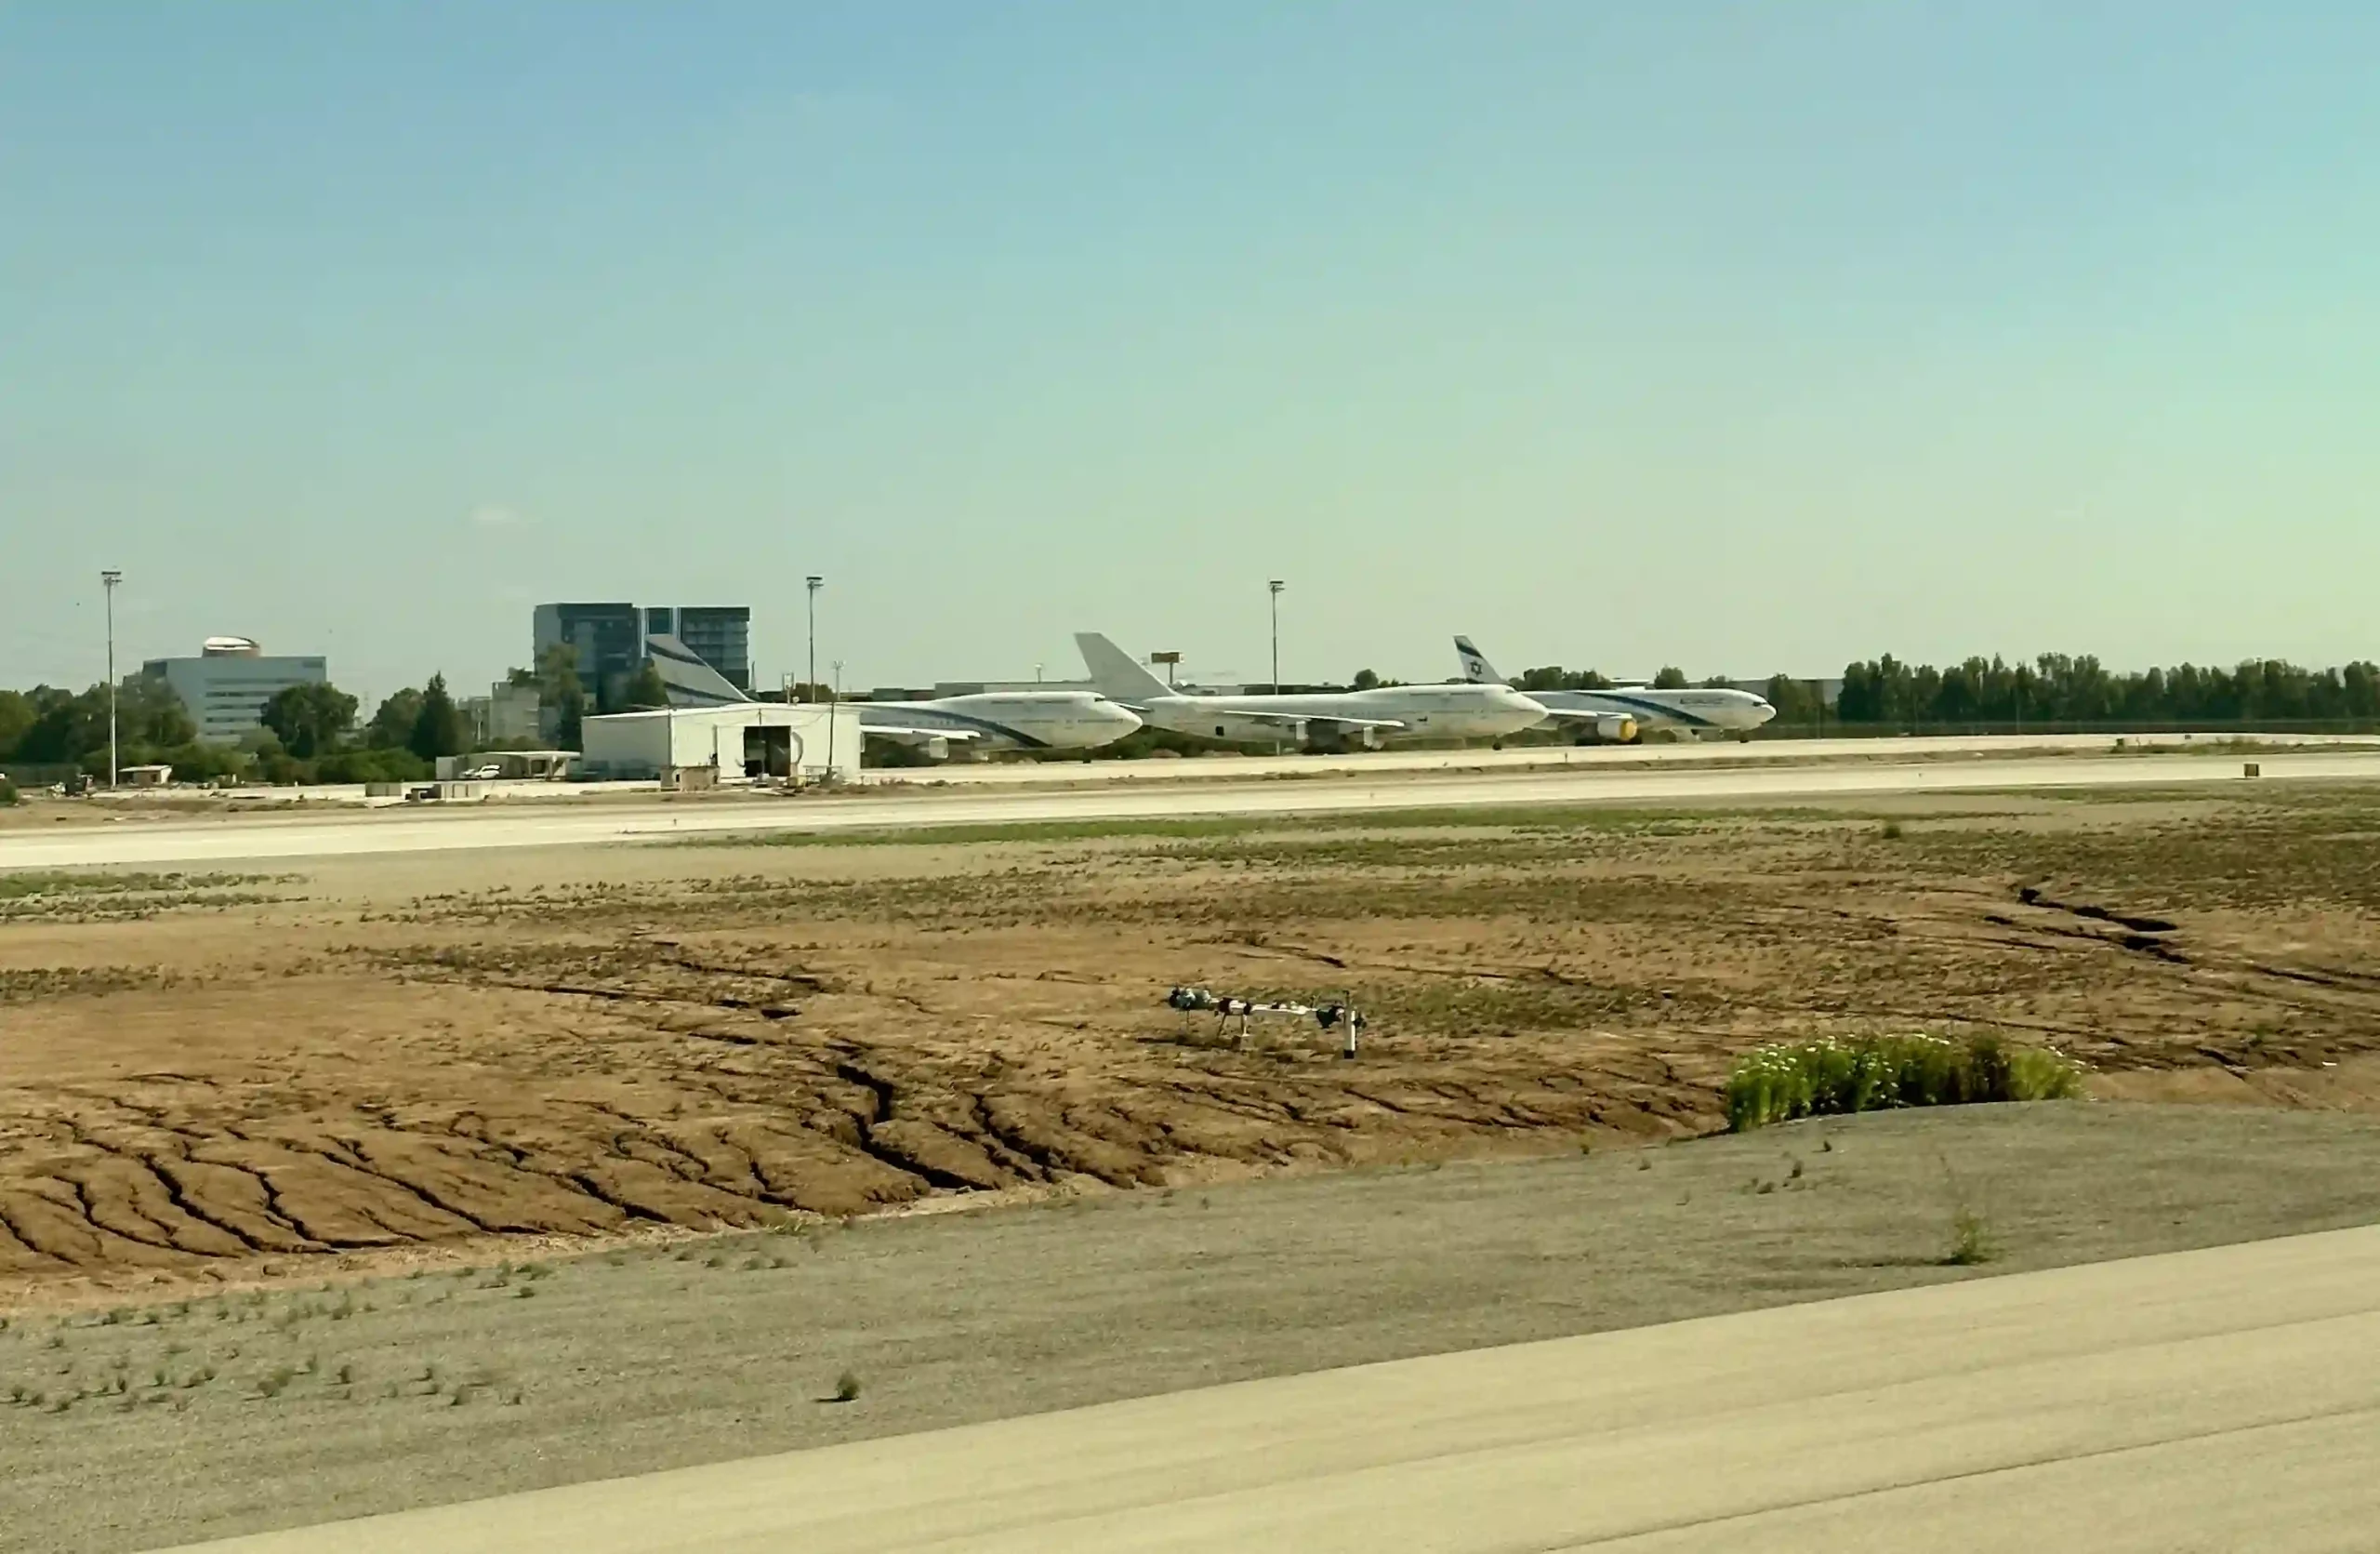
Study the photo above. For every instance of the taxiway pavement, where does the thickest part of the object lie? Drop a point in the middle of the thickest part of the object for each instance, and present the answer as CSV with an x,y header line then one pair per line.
x,y
2219,1400
1692,753
129,841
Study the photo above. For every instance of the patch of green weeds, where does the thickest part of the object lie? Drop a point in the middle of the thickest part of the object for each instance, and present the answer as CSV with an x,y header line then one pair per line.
x,y
1971,1243
1828,1077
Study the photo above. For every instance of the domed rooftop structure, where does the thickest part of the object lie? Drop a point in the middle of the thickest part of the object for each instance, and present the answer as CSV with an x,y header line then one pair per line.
x,y
230,647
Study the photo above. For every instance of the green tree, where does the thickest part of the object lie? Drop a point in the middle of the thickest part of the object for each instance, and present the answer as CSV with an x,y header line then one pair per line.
x,y
561,699
1797,702
392,726
148,714
1366,680
16,714
309,720
438,729
277,766
63,726
198,763
1672,678
1554,677
371,766
2062,688
72,729
521,677
644,688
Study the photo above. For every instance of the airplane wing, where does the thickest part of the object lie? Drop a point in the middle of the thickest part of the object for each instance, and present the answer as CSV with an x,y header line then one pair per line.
x,y
1312,719
901,734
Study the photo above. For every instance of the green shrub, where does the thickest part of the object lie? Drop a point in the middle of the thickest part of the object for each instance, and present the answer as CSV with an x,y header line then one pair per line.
x,y
200,763
372,765
1870,1073
8,793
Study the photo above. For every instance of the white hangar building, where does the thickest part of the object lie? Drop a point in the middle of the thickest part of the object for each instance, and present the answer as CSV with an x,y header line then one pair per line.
x,y
740,741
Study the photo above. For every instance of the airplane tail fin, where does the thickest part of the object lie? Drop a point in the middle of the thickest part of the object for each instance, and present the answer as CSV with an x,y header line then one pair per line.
x,y
1475,667
1113,670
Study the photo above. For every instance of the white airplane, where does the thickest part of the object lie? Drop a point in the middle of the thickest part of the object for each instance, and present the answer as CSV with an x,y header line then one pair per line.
x,y
1000,720
1332,720
1621,713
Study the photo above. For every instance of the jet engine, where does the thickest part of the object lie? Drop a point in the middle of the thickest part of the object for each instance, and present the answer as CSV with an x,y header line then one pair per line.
x,y
933,747
1224,724
1326,736
1612,728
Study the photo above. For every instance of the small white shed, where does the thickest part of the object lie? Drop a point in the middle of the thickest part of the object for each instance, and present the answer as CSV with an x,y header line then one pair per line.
x,y
742,740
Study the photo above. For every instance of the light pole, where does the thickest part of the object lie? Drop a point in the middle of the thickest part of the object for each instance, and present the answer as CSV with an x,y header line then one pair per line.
x,y
811,684
108,579
1275,585
834,714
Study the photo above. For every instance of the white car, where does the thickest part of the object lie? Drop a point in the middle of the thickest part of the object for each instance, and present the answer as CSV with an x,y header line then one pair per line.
x,y
484,773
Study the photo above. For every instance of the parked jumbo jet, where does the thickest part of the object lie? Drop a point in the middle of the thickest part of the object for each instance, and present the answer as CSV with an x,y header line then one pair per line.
x,y
1620,711
1000,720
1332,720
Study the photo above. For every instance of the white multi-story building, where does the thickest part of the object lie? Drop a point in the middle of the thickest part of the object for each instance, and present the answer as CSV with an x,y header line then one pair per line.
x,y
226,687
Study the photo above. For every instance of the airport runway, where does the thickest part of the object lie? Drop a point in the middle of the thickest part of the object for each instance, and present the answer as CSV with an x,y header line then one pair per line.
x,y
262,838
1534,757
2224,1400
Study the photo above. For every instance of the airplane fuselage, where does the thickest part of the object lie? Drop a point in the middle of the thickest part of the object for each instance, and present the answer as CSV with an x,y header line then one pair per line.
x,y
1453,712
1003,719
1697,710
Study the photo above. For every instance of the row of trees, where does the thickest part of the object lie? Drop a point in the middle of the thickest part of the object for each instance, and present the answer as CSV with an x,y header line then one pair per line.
x,y
2061,690
52,727
1554,677
315,737
305,733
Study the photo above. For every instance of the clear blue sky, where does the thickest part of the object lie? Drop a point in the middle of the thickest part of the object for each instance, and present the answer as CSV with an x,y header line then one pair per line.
x,y
1743,337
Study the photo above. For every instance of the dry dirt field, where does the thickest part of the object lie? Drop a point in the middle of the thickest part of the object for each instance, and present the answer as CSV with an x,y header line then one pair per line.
x,y
217,1079
160,1423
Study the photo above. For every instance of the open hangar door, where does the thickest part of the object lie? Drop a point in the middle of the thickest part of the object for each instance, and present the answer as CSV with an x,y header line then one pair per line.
x,y
770,750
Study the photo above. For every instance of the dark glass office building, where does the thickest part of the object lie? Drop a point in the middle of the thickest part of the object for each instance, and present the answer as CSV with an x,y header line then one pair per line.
x,y
611,639
720,635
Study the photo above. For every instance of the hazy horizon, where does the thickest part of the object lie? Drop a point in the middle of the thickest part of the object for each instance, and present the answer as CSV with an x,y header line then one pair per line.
x,y
1741,339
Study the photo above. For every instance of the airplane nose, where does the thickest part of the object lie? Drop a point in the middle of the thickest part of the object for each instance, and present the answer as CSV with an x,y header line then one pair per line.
x,y
1767,711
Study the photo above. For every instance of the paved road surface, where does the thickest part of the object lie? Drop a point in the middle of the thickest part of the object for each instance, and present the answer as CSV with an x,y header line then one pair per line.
x,y
1695,752
274,837
2204,1400
1233,767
